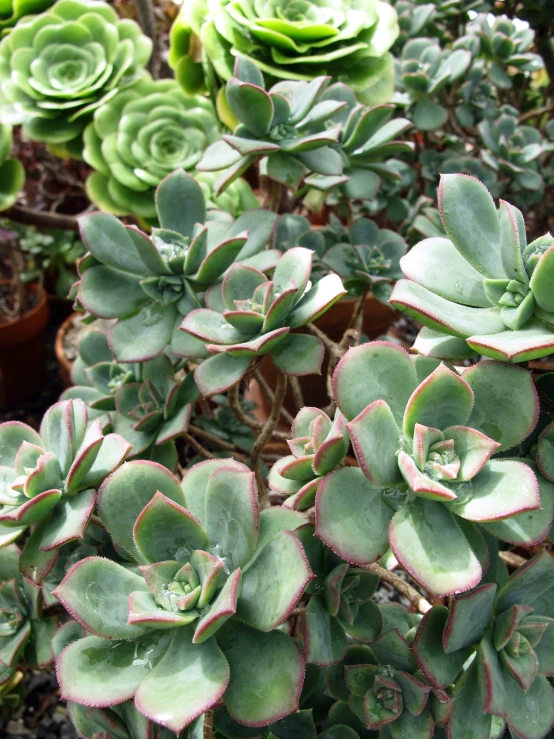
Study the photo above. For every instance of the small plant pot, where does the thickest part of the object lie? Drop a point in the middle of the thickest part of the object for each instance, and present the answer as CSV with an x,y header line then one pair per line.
x,y
64,362
23,353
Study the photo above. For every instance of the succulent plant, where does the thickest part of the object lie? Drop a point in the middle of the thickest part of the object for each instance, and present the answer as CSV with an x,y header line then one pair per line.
x,y
223,423
413,18
155,410
513,150
340,604
122,722
251,316
13,10
367,140
58,67
423,70
298,41
509,630
365,257
150,283
139,137
424,437
318,445
203,608
389,695
12,173
496,295
286,126
24,631
237,198
504,44
478,100
49,480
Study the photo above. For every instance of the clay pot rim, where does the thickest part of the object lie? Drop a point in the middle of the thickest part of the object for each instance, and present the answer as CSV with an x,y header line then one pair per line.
x,y
63,361
43,299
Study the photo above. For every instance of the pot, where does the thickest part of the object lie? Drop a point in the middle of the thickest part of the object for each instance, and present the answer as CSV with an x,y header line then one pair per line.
x,y
23,353
64,363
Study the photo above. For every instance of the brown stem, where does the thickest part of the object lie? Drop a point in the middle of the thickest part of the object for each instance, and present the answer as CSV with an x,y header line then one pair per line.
x,y
198,448
233,398
208,725
212,438
42,219
409,592
276,194
265,434
297,394
536,112
269,395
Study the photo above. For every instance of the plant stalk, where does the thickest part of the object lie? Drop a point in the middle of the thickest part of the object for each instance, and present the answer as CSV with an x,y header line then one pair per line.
x,y
265,435
409,592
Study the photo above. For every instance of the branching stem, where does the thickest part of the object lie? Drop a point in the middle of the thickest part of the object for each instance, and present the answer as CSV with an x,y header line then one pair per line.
x,y
409,592
265,435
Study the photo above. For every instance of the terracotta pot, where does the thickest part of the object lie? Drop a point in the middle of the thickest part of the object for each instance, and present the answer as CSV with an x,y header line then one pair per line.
x,y
64,364
376,321
23,353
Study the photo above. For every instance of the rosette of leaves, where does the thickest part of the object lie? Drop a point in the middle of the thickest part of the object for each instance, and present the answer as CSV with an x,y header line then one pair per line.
x,y
149,283
318,445
424,437
58,67
365,257
49,480
340,605
25,633
292,41
13,10
286,126
367,140
139,137
237,198
12,174
495,298
196,622
509,630
155,410
425,69
390,695
513,150
295,230
503,44
251,316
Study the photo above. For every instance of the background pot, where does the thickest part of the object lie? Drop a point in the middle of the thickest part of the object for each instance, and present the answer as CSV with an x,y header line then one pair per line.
x,y
64,363
23,353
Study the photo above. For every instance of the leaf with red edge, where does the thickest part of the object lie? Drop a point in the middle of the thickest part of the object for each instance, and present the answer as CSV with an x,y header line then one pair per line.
x,y
304,498
467,710
195,484
352,517
392,649
376,439
472,447
13,645
530,715
298,469
69,520
164,530
274,582
96,591
298,355
317,300
378,370
34,563
528,583
220,372
430,545
545,451
84,457
469,616
420,484
119,511
104,672
489,501
443,399
223,607
32,511
522,668
324,638
438,667
415,692
144,613
267,672
212,327
12,435
491,678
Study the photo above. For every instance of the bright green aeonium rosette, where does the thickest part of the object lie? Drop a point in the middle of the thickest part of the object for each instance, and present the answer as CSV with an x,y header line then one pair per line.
x,y
139,137
298,40
56,68
12,10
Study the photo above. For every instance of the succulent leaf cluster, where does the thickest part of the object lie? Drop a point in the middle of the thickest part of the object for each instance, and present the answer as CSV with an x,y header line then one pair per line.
x,y
58,67
295,41
139,137
13,10
150,282
425,438
423,70
49,481
251,316
197,608
496,297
